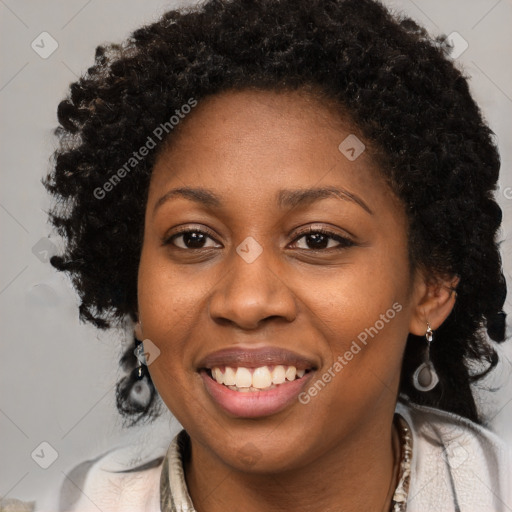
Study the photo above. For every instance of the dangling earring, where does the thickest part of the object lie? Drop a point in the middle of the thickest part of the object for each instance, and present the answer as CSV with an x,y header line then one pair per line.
x,y
425,377
142,368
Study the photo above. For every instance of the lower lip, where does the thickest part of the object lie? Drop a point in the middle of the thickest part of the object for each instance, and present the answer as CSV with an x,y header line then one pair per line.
x,y
253,404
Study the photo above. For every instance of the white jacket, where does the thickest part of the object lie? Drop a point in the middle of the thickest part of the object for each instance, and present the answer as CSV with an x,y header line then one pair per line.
x,y
457,466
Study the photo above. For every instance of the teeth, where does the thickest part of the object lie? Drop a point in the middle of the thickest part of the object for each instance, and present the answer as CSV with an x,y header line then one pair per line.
x,y
290,373
243,390
217,375
279,374
243,378
261,378
229,376
255,379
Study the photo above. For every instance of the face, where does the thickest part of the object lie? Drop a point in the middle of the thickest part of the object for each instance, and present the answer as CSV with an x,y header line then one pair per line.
x,y
253,260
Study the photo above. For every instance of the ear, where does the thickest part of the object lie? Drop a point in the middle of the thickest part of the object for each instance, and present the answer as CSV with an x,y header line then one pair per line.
x,y
138,331
433,300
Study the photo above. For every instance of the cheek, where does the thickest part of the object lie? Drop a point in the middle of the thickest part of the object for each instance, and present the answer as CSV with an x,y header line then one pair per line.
x,y
354,295
362,312
166,302
172,305
164,291
162,304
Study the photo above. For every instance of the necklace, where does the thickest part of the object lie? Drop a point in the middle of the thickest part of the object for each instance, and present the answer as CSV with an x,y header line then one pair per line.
x,y
177,500
396,465
399,501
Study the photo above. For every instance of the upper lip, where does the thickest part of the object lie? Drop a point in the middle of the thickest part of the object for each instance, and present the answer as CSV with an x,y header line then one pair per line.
x,y
256,357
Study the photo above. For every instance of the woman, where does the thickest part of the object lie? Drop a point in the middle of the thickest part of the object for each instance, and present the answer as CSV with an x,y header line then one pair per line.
x,y
291,201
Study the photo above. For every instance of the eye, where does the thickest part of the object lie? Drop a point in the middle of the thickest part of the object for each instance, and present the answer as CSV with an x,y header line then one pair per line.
x,y
320,238
316,239
190,239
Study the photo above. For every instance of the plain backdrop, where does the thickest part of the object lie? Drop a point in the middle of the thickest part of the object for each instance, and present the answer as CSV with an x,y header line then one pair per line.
x,y
57,376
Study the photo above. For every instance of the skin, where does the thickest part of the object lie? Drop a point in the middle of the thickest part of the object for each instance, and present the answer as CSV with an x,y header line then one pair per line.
x,y
334,453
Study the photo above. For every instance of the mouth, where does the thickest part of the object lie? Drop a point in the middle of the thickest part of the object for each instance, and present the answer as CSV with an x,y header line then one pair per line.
x,y
243,379
243,392
249,382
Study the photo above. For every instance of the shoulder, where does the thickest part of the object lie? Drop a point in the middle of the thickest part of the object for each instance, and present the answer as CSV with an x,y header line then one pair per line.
x,y
120,480
456,464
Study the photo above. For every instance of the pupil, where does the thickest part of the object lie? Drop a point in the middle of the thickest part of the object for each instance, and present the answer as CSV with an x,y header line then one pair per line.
x,y
194,240
316,237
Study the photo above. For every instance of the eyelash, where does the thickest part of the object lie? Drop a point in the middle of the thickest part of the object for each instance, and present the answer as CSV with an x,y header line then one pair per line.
x,y
343,241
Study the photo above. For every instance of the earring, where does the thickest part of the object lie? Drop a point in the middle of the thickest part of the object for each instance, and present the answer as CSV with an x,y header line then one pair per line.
x,y
142,368
425,377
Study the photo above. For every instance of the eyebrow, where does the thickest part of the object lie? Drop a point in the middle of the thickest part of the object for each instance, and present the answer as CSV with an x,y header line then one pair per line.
x,y
285,198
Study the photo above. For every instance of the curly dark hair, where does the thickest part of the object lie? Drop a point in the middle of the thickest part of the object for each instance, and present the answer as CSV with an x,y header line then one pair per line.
x,y
397,84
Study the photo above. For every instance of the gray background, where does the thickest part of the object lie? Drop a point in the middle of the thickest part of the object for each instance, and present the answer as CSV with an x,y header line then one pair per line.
x,y
57,376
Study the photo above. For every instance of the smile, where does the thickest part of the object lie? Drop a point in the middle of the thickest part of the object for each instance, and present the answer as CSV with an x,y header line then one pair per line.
x,y
254,382
263,378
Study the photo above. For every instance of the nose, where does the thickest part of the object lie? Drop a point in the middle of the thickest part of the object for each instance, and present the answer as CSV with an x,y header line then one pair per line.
x,y
251,293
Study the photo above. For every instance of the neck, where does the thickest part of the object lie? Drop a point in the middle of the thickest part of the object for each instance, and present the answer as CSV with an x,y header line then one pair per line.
x,y
357,474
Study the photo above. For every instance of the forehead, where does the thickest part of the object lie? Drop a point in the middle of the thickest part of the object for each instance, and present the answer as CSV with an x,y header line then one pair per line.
x,y
249,145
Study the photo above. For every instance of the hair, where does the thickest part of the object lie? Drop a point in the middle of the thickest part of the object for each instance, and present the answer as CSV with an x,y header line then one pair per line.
x,y
395,82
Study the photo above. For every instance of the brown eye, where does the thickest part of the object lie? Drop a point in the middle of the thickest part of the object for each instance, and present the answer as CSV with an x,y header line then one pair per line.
x,y
319,239
190,239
